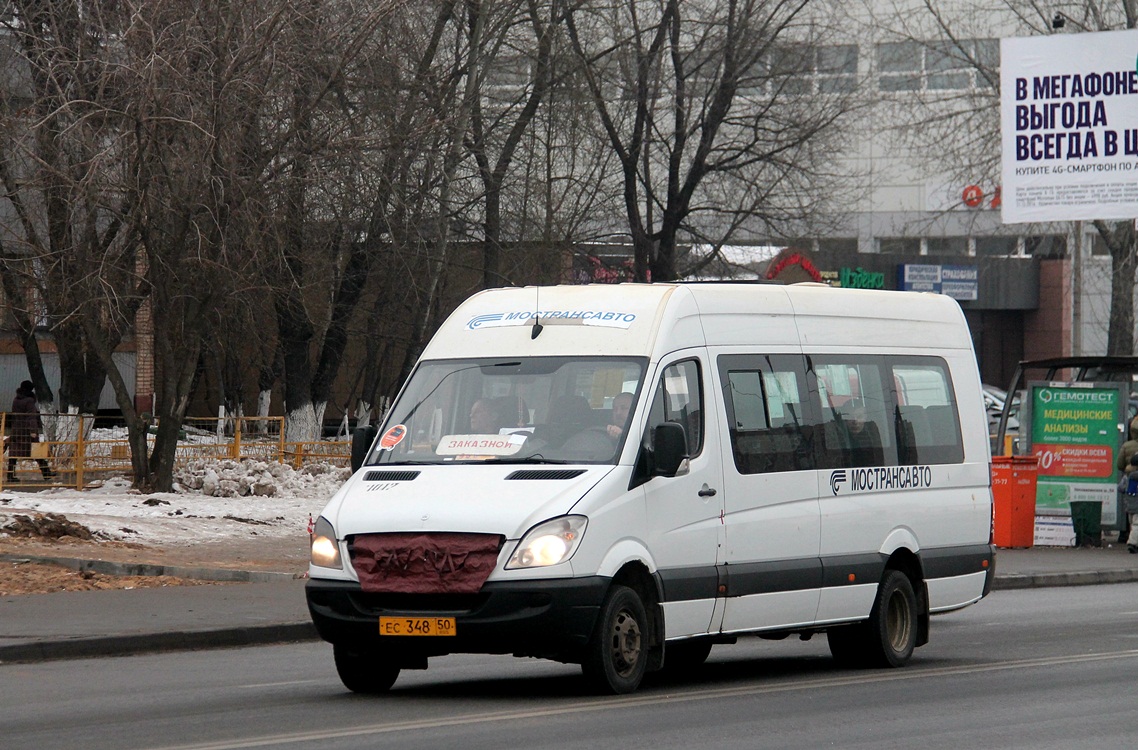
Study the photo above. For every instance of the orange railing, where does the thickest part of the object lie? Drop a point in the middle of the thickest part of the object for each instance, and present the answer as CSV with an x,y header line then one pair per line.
x,y
75,449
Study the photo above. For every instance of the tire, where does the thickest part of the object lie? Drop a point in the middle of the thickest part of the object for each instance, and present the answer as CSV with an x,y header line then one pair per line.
x,y
366,672
888,638
681,658
893,621
617,653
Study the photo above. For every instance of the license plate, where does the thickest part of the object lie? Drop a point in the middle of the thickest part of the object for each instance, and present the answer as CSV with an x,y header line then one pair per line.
x,y
416,626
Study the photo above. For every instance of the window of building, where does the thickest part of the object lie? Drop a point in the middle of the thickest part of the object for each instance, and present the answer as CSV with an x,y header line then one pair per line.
x,y
1098,245
765,397
899,66
803,70
937,66
507,71
990,246
1046,246
835,68
899,245
947,245
838,245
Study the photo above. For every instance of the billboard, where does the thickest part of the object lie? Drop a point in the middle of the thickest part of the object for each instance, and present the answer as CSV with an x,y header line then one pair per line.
x,y
1069,127
1075,432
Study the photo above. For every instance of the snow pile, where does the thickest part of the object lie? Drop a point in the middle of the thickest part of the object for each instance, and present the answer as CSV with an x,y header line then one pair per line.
x,y
229,478
214,500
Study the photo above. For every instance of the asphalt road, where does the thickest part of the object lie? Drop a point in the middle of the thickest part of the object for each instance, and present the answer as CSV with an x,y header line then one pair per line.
x,y
1040,668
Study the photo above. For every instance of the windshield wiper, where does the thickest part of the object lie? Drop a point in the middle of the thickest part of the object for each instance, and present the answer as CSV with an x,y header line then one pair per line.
x,y
526,460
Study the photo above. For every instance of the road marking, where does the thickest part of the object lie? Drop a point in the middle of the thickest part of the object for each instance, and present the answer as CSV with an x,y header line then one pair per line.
x,y
277,684
632,701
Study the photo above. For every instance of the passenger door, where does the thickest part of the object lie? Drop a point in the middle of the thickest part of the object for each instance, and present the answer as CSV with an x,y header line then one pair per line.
x,y
685,529
772,568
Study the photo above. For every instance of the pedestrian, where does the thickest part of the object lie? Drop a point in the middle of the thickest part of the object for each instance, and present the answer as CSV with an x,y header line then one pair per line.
x,y
24,422
1131,507
1128,450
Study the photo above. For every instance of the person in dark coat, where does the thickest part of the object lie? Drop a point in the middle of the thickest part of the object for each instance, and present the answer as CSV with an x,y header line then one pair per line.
x,y
25,425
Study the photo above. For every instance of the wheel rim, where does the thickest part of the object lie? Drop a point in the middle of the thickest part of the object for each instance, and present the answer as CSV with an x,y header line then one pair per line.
x,y
625,643
899,622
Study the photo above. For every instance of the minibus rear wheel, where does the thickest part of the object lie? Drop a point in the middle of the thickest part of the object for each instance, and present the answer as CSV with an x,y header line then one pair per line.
x,y
888,638
367,672
893,621
617,654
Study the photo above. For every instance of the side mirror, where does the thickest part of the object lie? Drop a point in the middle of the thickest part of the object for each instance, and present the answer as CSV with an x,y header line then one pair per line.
x,y
362,438
669,449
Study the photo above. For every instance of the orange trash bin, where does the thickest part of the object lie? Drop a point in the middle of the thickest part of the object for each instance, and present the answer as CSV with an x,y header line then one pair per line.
x,y
1014,480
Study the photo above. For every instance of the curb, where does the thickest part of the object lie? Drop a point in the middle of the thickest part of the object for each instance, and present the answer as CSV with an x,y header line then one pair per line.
x,y
224,575
146,643
1009,581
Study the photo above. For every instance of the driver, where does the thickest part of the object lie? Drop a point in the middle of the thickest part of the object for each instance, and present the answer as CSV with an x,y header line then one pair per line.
x,y
484,417
621,405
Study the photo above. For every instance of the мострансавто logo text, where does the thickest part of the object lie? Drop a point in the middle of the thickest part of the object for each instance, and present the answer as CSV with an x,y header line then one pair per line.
x,y
882,478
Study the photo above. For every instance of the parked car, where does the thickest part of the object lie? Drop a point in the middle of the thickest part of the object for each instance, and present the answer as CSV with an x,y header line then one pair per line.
x,y
994,399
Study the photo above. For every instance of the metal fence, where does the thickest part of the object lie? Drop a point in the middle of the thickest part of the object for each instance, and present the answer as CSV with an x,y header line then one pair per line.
x,y
72,450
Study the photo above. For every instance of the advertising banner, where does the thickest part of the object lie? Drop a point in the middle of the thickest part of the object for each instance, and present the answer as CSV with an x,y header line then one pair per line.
x,y
1075,433
958,282
1069,127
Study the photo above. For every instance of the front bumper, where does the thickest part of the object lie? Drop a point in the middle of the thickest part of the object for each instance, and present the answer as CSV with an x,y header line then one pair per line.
x,y
550,618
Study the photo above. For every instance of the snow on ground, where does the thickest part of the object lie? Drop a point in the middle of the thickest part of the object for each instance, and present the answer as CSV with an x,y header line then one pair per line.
x,y
215,500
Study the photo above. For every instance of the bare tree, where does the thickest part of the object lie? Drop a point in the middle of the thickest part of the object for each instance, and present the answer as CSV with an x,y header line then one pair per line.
x,y
221,99
67,257
668,80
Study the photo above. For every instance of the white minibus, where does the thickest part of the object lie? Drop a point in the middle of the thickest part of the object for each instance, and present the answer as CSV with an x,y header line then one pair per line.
x,y
622,476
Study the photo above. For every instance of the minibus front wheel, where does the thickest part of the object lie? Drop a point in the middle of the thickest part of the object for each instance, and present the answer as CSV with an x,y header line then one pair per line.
x,y
617,654
367,672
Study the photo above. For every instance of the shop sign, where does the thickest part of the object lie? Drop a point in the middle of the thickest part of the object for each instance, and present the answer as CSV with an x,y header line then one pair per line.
x,y
859,278
958,282
1075,433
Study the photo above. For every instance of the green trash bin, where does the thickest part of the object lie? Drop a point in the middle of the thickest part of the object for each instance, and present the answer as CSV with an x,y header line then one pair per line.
x,y
1086,517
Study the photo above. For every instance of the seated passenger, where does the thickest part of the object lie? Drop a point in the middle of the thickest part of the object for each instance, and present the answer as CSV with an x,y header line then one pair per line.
x,y
865,438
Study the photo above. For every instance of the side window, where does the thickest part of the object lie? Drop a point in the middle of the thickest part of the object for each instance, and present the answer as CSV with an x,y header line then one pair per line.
x,y
928,427
765,401
679,398
855,403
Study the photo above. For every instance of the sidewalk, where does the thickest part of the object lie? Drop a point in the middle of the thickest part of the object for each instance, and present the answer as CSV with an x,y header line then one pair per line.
x,y
270,608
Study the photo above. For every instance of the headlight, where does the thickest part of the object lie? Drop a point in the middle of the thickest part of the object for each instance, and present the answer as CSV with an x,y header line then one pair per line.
x,y
325,552
549,543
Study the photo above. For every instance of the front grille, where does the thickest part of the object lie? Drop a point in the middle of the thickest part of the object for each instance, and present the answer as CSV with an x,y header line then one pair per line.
x,y
546,474
390,476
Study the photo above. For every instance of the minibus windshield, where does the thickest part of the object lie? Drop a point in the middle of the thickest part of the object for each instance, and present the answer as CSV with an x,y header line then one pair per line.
x,y
512,410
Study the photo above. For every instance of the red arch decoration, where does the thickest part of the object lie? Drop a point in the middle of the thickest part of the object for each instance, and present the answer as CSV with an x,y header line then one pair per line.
x,y
795,259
